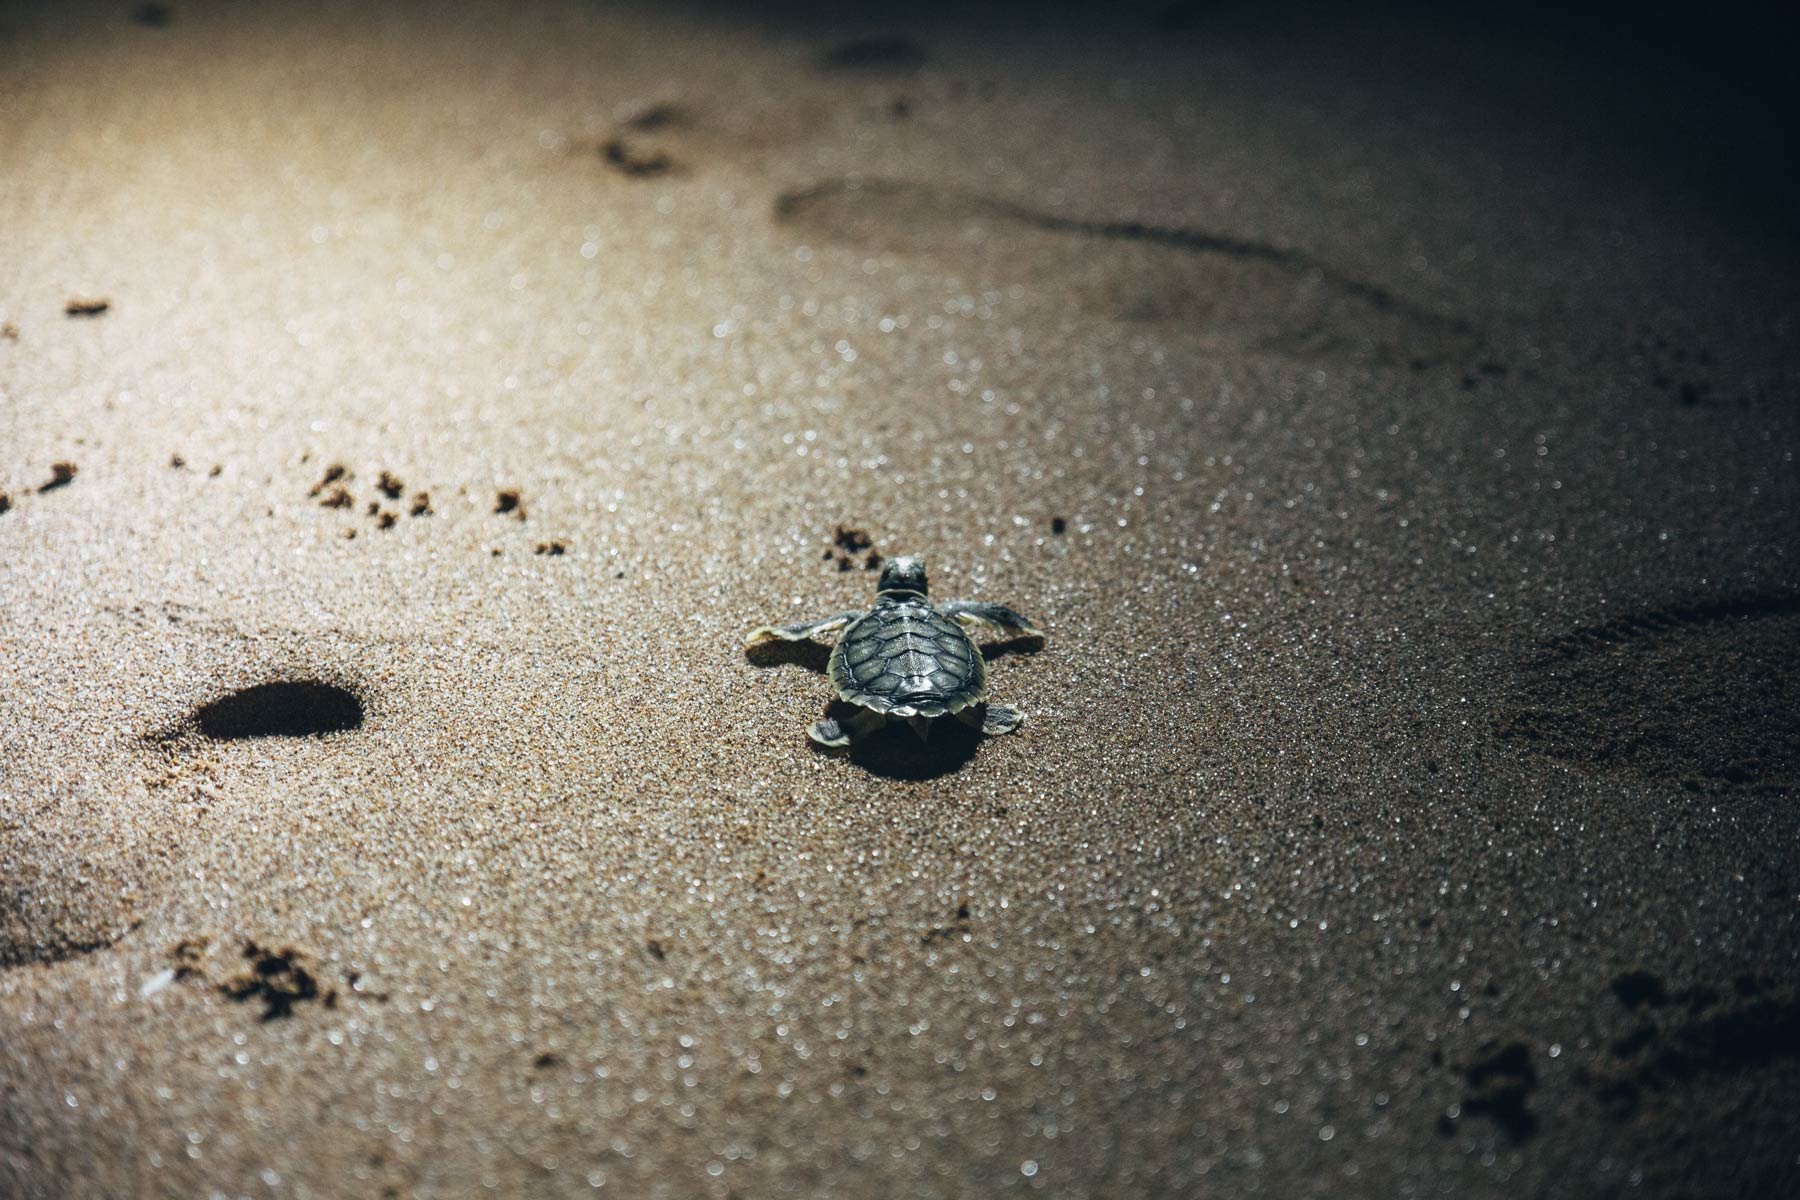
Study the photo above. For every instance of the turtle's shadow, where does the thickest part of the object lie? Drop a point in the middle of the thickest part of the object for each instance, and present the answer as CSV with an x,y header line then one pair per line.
x,y
895,751
809,654
1029,644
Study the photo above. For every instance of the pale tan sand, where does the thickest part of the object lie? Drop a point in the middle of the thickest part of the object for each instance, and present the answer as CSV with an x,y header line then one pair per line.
x,y
1407,802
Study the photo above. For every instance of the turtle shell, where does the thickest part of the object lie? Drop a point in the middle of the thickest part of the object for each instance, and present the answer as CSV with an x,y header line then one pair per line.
x,y
906,659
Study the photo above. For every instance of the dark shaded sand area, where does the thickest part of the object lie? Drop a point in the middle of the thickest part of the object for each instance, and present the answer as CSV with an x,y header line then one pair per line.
x,y
405,413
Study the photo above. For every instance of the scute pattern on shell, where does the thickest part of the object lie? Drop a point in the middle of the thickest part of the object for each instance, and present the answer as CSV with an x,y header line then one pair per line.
x,y
906,659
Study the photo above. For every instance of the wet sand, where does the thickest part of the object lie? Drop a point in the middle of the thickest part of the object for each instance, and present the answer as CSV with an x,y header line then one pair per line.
x,y
1401,463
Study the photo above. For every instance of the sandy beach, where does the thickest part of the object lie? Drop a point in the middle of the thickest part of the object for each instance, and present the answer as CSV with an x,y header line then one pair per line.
x,y
406,412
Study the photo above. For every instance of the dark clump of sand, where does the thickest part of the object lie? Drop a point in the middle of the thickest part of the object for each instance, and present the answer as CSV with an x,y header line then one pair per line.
x,y
277,980
61,475
851,548
629,159
1387,414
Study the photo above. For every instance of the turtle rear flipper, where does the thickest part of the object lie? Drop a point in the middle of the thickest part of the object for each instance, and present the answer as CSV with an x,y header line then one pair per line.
x,y
834,734
994,720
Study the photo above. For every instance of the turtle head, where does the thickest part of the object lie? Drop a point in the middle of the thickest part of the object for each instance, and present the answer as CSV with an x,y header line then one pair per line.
x,y
903,574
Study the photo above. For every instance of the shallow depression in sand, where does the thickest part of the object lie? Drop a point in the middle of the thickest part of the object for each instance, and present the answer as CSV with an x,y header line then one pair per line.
x,y
1706,695
281,708
1282,300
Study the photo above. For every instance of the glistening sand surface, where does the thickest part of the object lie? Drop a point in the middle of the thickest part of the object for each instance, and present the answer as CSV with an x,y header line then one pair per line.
x,y
1407,803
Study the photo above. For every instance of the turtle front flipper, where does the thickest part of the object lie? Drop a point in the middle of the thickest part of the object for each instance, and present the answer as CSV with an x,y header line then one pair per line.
x,y
994,617
833,734
799,632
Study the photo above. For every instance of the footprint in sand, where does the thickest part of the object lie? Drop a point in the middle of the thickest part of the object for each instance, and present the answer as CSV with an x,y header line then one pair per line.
x,y
1497,1088
1676,1038
1705,696
678,139
65,897
280,708
1278,300
1655,1048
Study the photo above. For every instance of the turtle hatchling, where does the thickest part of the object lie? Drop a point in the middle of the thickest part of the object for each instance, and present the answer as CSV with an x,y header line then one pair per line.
x,y
908,660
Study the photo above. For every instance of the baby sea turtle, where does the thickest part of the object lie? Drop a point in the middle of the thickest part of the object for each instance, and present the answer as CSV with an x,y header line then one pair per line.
x,y
908,660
